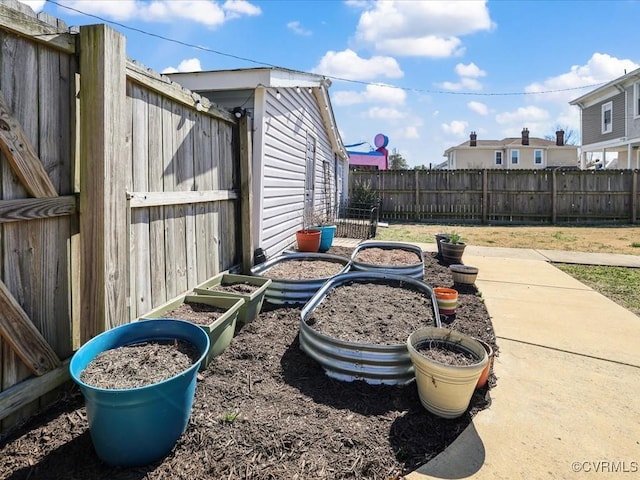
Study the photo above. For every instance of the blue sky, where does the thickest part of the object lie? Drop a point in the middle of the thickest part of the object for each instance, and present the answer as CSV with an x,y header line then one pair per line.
x,y
424,73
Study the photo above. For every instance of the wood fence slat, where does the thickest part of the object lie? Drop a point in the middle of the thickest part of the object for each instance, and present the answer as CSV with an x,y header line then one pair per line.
x,y
25,339
21,155
36,208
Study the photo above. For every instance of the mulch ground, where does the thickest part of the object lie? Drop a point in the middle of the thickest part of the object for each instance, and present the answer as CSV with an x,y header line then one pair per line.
x,y
264,410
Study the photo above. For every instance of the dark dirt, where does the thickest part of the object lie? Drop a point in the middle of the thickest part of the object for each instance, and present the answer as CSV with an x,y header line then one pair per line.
x,y
139,364
198,313
242,288
384,314
445,353
265,410
303,269
387,256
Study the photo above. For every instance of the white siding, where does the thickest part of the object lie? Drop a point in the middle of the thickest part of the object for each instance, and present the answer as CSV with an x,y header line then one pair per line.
x,y
287,123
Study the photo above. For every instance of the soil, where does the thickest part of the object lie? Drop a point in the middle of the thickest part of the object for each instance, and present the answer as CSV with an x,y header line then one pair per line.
x,y
264,410
242,288
304,269
384,314
139,364
387,256
198,313
445,353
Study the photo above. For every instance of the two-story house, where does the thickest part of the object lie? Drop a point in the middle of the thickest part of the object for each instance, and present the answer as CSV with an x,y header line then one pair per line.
x,y
610,122
522,152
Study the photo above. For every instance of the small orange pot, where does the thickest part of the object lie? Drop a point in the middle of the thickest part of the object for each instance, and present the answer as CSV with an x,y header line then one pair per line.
x,y
447,299
308,240
484,376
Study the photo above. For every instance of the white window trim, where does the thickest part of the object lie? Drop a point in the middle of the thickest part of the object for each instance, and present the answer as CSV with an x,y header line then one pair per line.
x,y
605,107
541,156
636,100
495,157
517,162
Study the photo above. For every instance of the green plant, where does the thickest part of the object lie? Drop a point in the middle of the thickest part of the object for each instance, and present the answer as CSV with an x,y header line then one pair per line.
x,y
229,417
364,194
454,237
635,244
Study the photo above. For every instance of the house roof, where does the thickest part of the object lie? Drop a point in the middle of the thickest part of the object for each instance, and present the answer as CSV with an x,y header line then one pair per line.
x,y
607,90
271,77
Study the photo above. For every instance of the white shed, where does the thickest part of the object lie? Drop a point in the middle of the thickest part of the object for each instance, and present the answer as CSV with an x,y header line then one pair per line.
x,y
298,157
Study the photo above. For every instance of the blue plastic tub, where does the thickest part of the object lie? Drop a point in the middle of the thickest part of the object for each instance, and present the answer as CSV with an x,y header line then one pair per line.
x,y
134,427
326,237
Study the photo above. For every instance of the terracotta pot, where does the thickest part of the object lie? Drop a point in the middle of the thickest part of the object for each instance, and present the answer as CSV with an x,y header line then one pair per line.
x,y
484,376
447,300
308,240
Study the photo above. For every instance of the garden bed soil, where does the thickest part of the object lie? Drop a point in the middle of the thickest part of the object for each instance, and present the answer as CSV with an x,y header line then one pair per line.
x,y
241,288
387,256
303,269
197,313
264,410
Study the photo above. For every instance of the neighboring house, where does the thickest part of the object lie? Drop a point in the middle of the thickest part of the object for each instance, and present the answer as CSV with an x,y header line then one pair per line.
x,y
299,161
509,153
610,122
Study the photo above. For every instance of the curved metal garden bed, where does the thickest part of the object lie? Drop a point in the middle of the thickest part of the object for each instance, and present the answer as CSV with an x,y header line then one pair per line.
x,y
415,270
349,361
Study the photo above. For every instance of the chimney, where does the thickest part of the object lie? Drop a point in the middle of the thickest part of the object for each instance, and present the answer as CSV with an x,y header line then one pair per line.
x,y
525,136
473,139
560,138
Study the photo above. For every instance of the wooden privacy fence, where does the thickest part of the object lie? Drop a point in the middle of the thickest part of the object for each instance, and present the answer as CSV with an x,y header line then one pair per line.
x,y
504,196
119,190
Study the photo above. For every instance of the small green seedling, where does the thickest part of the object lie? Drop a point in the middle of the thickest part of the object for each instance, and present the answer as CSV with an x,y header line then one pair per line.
x,y
230,417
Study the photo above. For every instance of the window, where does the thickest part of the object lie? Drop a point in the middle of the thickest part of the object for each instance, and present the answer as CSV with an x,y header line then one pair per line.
x,y
607,117
537,157
636,100
498,157
515,157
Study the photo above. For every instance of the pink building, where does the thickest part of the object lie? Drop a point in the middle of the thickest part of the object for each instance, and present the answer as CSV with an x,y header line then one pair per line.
x,y
377,159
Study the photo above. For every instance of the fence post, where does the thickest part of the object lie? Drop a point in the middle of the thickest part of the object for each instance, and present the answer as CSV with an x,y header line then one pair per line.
x,y
634,197
485,196
417,205
246,194
103,181
554,197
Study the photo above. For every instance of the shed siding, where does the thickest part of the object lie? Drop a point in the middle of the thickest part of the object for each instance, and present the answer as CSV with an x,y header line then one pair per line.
x,y
288,121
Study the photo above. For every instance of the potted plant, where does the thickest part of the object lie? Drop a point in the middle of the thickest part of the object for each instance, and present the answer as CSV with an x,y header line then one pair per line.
x,y
452,248
249,288
139,425
484,376
447,366
217,316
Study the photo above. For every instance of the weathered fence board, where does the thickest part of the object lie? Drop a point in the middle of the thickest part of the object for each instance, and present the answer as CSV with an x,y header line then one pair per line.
x,y
508,196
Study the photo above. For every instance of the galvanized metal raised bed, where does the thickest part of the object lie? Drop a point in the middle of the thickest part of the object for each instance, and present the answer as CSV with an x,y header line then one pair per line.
x,y
349,361
295,292
415,270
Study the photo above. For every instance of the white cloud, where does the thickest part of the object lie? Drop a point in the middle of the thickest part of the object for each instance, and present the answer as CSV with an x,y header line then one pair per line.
x,y
187,65
463,84
409,133
600,68
375,94
456,127
478,107
36,5
523,116
348,64
206,12
297,28
380,113
471,70
421,28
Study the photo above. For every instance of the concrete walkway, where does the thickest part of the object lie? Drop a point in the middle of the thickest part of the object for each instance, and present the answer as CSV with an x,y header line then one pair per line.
x,y
567,402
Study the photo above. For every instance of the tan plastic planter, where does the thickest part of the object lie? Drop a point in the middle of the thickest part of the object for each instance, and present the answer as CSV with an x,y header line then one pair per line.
x,y
445,390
